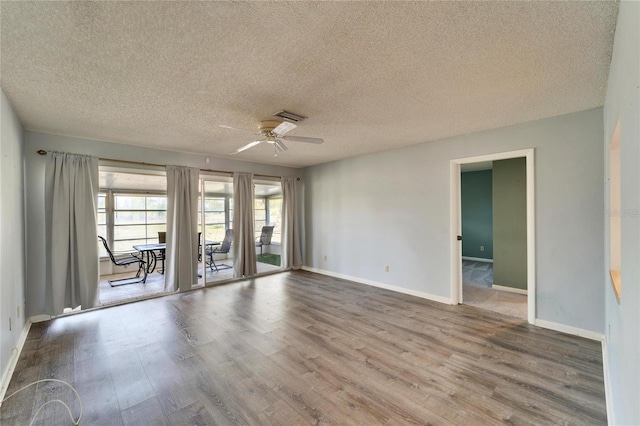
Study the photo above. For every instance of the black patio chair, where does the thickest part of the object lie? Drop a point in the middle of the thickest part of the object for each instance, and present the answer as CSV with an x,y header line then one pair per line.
x,y
161,255
130,259
265,237
223,248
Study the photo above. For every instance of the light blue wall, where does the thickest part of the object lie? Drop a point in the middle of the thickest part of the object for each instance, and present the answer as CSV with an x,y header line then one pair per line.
x,y
12,263
622,326
35,169
477,213
392,208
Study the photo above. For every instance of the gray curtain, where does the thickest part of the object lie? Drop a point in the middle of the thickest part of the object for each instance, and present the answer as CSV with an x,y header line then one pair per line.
x,y
71,197
244,241
182,228
291,255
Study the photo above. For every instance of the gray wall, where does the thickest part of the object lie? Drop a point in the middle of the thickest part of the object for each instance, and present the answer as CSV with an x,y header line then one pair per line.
x,y
35,168
510,223
392,208
12,265
476,208
623,320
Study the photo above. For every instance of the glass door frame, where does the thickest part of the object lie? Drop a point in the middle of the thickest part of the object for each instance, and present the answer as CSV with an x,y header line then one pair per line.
x,y
204,280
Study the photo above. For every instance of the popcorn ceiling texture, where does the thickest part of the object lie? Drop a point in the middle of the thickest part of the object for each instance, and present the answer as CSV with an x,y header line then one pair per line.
x,y
371,76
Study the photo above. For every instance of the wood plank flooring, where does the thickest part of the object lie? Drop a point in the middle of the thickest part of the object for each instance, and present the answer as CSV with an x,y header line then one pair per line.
x,y
302,348
477,282
155,283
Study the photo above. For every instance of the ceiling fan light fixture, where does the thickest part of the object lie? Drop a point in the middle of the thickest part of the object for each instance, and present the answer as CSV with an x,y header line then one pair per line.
x,y
273,132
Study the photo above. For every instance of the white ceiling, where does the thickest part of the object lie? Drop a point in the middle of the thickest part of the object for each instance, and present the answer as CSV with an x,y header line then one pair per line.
x,y
371,76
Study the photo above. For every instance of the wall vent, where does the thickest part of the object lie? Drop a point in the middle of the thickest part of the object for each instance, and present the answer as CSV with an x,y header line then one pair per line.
x,y
289,116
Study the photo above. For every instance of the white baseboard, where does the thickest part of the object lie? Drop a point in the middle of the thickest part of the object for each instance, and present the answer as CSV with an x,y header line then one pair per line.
x,y
509,289
416,293
608,396
477,259
39,318
587,334
15,354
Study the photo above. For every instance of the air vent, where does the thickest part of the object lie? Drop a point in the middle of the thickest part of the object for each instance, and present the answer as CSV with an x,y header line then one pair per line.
x,y
289,116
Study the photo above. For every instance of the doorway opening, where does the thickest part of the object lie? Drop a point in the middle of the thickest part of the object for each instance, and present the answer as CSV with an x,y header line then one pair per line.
x,y
492,233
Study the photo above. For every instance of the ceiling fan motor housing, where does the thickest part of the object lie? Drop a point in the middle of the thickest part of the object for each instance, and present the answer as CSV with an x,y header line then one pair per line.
x,y
267,126
273,132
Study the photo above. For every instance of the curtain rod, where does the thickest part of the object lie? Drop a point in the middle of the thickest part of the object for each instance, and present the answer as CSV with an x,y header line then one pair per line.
x,y
140,163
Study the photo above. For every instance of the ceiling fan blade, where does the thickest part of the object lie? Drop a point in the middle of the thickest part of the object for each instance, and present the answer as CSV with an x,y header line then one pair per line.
x,y
303,139
280,146
235,128
247,146
283,128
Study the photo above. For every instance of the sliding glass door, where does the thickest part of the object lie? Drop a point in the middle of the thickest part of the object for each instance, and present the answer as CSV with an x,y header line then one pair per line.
x,y
132,212
215,220
268,225
215,223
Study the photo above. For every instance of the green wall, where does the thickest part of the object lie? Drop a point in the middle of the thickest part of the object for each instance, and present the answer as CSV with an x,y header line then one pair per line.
x,y
477,214
510,223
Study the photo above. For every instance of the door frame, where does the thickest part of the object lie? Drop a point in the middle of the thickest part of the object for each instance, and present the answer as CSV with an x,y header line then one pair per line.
x,y
456,224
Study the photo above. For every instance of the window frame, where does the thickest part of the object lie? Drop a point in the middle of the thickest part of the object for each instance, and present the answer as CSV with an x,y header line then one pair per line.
x,y
202,214
267,218
110,206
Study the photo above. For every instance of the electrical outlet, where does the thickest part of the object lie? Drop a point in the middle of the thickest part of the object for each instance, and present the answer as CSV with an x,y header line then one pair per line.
x,y
386,268
481,248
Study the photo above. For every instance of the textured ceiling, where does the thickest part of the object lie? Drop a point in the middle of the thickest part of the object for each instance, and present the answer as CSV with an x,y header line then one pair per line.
x,y
370,76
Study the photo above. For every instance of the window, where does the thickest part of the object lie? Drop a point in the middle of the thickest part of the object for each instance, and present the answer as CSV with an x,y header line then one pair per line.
x,y
215,218
275,218
137,219
131,207
102,222
217,206
268,209
268,212
260,214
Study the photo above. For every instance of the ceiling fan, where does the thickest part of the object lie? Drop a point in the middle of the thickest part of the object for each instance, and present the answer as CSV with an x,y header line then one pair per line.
x,y
272,132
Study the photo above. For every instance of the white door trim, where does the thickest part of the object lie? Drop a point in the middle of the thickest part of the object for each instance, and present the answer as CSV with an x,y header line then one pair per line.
x,y
456,224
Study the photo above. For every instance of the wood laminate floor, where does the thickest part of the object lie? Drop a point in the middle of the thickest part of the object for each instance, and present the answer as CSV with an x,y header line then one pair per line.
x,y
477,283
155,282
302,348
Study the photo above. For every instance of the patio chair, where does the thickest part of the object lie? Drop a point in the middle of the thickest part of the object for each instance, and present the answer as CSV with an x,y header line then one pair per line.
x,y
130,259
223,248
265,237
161,255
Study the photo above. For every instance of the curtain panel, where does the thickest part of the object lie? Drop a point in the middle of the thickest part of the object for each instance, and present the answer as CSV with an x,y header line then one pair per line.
x,y
182,228
71,236
244,242
291,254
